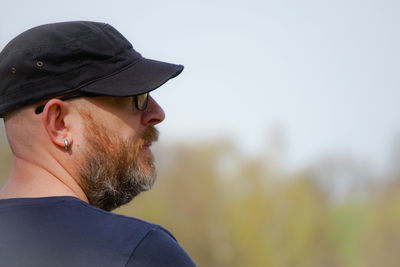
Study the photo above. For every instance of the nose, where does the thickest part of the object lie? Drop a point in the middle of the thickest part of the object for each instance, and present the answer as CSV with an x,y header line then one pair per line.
x,y
153,114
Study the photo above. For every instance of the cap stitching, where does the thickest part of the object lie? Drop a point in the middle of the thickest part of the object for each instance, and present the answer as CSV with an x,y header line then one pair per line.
x,y
55,77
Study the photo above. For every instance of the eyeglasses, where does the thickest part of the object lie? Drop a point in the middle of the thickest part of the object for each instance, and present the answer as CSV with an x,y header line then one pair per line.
x,y
141,101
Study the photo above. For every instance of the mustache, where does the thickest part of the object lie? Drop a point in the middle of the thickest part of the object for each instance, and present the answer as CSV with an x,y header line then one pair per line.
x,y
150,135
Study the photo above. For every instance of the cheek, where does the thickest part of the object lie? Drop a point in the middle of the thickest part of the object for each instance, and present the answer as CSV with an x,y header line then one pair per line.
x,y
127,132
121,123
126,128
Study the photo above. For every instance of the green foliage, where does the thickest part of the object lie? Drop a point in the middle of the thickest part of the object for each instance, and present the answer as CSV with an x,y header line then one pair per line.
x,y
249,213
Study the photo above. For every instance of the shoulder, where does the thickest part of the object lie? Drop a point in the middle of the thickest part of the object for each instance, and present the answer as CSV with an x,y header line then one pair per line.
x,y
150,244
119,228
69,227
159,248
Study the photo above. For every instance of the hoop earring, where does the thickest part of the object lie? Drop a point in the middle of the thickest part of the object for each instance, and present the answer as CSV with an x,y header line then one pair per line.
x,y
66,143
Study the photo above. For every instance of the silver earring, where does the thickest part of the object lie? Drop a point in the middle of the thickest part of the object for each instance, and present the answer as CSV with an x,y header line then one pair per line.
x,y
66,143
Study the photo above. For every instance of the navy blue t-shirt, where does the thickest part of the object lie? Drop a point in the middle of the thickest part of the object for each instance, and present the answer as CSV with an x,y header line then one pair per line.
x,y
65,231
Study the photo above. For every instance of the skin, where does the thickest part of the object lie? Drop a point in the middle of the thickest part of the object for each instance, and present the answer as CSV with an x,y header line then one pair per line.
x,y
41,165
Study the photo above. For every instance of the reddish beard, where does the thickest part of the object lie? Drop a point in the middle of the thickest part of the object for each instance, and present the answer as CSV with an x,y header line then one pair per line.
x,y
115,170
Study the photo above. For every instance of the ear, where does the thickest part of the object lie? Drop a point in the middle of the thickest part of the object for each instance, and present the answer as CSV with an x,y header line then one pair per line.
x,y
53,117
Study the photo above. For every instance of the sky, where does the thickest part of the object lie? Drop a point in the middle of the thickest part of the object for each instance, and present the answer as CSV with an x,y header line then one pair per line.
x,y
320,77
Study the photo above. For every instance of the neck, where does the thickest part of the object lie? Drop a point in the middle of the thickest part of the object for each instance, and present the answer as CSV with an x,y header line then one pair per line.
x,y
30,179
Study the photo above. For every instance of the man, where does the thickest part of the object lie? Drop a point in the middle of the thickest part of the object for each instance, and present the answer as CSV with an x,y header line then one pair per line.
x,y
80,123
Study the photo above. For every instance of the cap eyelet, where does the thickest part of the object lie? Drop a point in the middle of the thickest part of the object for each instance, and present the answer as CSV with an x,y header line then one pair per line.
x,y
13,70
39,63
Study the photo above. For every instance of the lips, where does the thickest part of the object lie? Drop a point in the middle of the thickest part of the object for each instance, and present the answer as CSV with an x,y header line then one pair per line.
x,y
150,135
146,146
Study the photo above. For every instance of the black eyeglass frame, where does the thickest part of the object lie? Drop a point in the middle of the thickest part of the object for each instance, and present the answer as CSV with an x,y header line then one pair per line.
x,y
40,108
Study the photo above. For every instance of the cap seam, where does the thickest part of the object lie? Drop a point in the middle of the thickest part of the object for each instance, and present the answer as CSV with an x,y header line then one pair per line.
x,y
176,68
21,88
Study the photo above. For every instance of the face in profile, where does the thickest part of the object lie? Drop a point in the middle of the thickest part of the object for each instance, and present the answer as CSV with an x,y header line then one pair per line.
x,y
115,170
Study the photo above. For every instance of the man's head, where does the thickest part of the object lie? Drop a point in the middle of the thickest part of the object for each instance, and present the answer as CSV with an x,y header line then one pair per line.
x,y
107,125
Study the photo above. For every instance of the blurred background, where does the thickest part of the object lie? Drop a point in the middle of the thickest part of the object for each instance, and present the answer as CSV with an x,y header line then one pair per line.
x,y
281,145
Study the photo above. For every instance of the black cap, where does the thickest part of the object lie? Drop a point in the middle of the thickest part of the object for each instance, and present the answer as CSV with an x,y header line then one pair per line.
x,y
90,57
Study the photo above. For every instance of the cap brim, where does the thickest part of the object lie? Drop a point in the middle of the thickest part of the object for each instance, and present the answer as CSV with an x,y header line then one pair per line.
x,y
143,76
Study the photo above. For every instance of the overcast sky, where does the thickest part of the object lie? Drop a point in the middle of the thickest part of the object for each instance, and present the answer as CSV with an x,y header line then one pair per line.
x,y
323,73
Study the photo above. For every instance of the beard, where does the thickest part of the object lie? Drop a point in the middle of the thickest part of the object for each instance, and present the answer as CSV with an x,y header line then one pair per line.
x,y
114,170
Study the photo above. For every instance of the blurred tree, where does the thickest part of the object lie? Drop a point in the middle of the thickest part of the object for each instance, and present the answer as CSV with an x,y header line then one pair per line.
x,y
381,242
